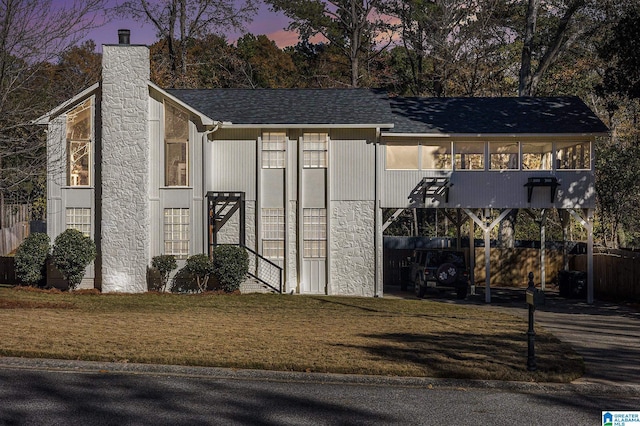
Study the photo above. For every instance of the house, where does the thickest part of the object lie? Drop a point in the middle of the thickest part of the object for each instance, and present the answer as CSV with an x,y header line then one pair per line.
x,y
298,176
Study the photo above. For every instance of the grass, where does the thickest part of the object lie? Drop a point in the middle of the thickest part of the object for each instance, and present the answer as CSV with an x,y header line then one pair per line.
x,y
290,333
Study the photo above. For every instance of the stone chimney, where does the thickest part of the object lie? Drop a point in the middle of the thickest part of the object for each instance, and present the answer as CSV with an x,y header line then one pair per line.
x,y
122,188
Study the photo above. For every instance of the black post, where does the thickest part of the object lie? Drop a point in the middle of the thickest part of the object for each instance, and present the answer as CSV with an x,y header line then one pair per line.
x,y
531,334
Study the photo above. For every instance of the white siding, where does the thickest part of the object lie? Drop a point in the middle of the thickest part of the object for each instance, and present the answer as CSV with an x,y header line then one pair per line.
x,y
233,166
352,170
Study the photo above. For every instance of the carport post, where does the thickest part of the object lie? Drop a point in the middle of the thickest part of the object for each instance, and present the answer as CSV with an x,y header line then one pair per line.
x,y
486,228
588,225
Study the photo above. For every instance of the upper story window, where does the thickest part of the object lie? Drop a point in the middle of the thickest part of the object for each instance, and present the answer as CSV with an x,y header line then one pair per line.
x,y
537,155
314,146
573,155
79,133
176,142
504,155
426,155
469,155
273,150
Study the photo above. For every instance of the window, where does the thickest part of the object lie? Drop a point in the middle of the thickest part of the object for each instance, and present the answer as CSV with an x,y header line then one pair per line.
x,y
176,232
536,155
273,150
435,155
469,155
402,157
79,132
315,233
273,233
418,156
314,147
573,155
176,134
503,155
80,219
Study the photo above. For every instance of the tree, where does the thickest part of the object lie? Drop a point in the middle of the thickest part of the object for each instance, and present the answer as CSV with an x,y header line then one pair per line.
x,y
266,66
33,35
620,51
178,21
542,46
352,26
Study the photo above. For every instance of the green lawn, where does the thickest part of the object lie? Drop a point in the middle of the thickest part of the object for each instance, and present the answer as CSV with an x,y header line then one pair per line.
x,y
280,332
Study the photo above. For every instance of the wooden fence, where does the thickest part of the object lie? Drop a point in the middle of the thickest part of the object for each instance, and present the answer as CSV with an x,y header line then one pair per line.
x,y
8,271
11,238
616,273
12,214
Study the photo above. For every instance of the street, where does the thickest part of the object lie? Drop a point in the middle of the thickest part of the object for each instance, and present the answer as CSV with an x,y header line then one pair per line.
x,y
102,397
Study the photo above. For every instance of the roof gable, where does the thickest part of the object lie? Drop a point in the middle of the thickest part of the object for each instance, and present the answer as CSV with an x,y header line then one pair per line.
x,y
524,115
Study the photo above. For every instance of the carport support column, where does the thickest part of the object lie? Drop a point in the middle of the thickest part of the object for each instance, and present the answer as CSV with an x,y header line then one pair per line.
x,y
486,228
588,225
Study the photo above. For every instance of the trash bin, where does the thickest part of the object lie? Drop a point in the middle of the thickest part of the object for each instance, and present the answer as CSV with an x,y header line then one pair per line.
x,y
572,284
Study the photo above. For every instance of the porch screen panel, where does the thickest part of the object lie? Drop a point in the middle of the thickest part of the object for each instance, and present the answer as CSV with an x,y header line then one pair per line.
x,y
402,157
436,155
504,155
573,155
537,155
469,155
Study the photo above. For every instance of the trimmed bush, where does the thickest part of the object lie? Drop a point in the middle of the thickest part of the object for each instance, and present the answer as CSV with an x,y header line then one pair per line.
x,y
200,266
31,258
230,266
184,282
164,264
72,252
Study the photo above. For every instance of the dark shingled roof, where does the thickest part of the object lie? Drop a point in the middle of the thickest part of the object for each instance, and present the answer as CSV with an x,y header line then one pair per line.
x,y
290,106
553,115
494,116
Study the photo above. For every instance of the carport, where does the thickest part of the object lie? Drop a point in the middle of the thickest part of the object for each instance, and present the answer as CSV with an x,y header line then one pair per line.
x,y
486,158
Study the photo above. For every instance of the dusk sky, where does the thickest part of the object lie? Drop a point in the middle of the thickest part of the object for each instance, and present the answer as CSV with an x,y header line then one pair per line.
x,y
266,22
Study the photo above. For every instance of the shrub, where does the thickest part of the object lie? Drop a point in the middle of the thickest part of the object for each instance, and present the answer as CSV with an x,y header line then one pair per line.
x,y
184,282
200,266
164,264
72,252
31,258
230,266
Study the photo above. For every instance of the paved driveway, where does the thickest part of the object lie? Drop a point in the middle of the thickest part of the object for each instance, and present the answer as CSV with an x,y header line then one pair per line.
x,y
607,335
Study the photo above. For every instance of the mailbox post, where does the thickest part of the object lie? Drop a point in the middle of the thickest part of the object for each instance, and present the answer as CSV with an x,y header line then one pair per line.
x,y
535,297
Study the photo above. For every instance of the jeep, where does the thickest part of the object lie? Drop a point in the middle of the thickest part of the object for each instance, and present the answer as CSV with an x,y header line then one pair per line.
x,y
440,268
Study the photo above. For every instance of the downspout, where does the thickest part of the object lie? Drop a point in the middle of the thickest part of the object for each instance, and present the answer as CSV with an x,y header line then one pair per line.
x,y
377,243
205,200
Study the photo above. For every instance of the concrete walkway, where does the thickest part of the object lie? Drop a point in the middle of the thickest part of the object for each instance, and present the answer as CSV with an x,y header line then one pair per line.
x,y
607,335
